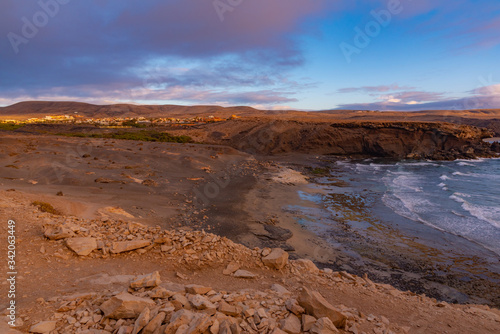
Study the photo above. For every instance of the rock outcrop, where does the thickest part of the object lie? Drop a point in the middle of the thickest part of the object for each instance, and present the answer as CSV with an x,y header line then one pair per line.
x,y
412,140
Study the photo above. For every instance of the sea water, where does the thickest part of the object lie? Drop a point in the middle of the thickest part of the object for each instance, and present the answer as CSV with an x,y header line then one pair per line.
x,y
460,198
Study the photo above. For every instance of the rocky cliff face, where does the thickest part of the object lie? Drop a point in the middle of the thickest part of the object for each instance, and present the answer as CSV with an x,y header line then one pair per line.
x,y
416,140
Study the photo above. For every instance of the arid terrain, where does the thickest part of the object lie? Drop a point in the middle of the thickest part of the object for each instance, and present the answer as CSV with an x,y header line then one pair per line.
x,y
488,118
210,213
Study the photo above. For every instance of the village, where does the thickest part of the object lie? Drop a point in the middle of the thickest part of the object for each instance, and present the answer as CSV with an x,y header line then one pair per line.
x,y
125,122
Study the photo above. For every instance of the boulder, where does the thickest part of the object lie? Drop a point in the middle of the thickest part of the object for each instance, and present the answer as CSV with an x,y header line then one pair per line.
x,y
202,303
179,319
146,281
324,326
200,324
307,322
293,306
229,310
125,305
277,259
179,300
265,252
82,246
184,321
214,329
231,268
163,240
57,232
161,292
225,327
125,246
43,327
307,266
154,324
291,325
197,289
314,304
142,320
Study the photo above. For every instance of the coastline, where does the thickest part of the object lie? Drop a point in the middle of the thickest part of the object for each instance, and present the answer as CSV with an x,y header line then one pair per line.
x,y
256,201
417,267
277,208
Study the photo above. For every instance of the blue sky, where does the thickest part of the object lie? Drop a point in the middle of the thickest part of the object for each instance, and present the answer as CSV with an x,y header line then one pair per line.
x,y
298,54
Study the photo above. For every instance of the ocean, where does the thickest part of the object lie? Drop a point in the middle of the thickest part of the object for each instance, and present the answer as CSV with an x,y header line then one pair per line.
x,y
461,198
439,220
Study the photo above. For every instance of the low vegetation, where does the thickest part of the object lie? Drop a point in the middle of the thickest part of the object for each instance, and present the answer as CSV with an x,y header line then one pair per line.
x,y
10,126
134,123
143,135
320,171
46,207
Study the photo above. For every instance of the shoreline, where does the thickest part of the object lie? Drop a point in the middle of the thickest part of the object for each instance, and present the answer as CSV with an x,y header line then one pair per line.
x,y
269,212
404,268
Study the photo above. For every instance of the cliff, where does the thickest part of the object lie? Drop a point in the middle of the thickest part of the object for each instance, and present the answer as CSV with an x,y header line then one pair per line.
x,y
417,140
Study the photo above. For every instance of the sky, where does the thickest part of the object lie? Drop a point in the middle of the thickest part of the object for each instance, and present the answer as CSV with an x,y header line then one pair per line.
x,y
269,54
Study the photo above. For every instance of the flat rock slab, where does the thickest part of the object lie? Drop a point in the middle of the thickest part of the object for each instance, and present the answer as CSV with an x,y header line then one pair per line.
x,y
43,327
195,289
82,246
126,246
244,274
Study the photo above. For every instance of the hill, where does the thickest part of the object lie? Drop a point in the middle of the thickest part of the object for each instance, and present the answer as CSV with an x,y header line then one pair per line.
x,y
487,118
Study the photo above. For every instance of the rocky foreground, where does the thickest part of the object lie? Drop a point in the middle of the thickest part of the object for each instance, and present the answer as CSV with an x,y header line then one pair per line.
x,y
297,298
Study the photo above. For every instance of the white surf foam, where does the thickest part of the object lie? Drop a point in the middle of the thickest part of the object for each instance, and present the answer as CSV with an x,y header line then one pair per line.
x,y
486,213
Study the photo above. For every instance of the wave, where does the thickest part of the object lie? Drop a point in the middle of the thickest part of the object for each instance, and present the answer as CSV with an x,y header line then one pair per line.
x,y
420,163
479,160
485,213
461,174
478,175
404,208
444,177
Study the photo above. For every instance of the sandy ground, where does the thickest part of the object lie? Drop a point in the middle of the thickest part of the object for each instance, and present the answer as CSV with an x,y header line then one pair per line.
x,y
171,185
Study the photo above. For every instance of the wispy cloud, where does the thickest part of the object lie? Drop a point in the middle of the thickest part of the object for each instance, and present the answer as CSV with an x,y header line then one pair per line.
x,y
487,97
373,89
